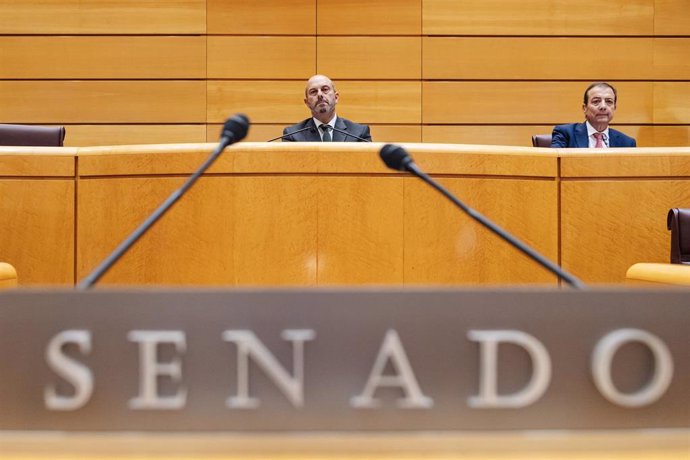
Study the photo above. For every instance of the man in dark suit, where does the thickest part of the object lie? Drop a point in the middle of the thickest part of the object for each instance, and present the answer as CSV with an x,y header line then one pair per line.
x,y
599,106
324,125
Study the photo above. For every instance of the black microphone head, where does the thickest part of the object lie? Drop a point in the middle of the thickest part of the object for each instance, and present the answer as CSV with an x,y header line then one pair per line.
x,y
235,128
395,157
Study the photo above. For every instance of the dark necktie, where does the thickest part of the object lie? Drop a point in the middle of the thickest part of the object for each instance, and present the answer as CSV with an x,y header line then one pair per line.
x,y
326,133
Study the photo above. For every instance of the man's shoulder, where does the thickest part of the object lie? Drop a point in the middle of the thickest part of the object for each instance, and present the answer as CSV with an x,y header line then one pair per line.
x,y
352,124
301,125
567,127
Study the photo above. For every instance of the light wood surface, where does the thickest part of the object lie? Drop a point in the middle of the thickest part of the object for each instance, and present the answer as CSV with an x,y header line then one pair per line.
x,y
537,17
76,17
531,102
286,17
466,71
261,57
540,445
357,17
608,225
312,213
283,101
37,235
391,58
669,102
671,17
128,134
660,273
551,58
88,57
95,101
8,276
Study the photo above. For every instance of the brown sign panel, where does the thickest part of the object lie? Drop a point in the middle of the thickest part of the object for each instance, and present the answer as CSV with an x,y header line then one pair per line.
x,y
326,360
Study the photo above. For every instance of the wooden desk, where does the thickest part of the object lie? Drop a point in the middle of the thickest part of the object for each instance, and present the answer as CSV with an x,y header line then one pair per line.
x,y
312,214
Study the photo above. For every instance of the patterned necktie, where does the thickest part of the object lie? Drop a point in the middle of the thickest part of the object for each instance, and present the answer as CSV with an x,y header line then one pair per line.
x,y
599,144
326,133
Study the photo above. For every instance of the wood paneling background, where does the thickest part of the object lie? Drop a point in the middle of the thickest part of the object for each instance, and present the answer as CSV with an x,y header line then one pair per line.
x,y
458,71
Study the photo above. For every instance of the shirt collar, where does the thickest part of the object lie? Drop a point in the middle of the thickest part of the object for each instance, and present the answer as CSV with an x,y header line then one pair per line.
x,y
591,130
332,122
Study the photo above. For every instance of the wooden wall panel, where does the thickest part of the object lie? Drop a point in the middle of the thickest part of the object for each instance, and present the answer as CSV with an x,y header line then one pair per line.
x,y
369,212
536,58
380,101
275,17
170,249
362,17
671,17
672,58
37,235
396,133
146,17
261,57
452,239
96,101
395,58
671,102
661,136
538,17
527,102
276,245
262,101
77,57
483,134
625,223
93,135
283,101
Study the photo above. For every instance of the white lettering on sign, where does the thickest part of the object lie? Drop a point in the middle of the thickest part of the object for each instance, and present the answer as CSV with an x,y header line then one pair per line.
x,y
77,374
249,346
603,356
393,351
488,397
150,369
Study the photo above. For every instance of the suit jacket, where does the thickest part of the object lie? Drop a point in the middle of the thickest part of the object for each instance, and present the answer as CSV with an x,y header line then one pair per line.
x,y
311,135
575,135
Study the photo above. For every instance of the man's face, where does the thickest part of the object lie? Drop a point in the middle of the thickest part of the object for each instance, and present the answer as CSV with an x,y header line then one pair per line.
x,y
600,107
321,98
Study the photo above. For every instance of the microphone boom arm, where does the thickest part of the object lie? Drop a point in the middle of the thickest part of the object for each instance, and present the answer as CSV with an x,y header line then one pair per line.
x,y
525,249
232,132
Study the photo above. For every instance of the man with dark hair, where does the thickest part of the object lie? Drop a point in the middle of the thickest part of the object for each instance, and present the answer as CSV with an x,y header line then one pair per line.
x,y
599,106
324,125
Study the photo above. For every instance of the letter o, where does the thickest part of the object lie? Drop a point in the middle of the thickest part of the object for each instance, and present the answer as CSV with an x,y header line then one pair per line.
x,y
603,355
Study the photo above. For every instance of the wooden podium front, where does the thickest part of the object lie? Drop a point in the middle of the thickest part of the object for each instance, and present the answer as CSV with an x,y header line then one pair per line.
x,y
313,214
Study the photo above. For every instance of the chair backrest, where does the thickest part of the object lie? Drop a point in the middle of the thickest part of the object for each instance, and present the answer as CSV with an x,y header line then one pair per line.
x,y
32,136
8,276
678,221
541,140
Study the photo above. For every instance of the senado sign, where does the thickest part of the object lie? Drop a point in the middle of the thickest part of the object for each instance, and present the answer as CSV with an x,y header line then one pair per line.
x,y
343,360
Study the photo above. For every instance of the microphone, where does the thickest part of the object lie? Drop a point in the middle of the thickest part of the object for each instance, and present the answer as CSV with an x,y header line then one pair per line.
x,y
234,130
291,133
398,159
348,134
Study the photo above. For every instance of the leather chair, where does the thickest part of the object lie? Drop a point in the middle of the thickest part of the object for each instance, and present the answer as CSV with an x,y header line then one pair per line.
x,y
678,221
32,136
541,140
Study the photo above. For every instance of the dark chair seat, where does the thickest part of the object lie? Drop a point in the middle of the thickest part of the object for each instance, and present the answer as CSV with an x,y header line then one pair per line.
x,y
541,140
32,136
678,221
